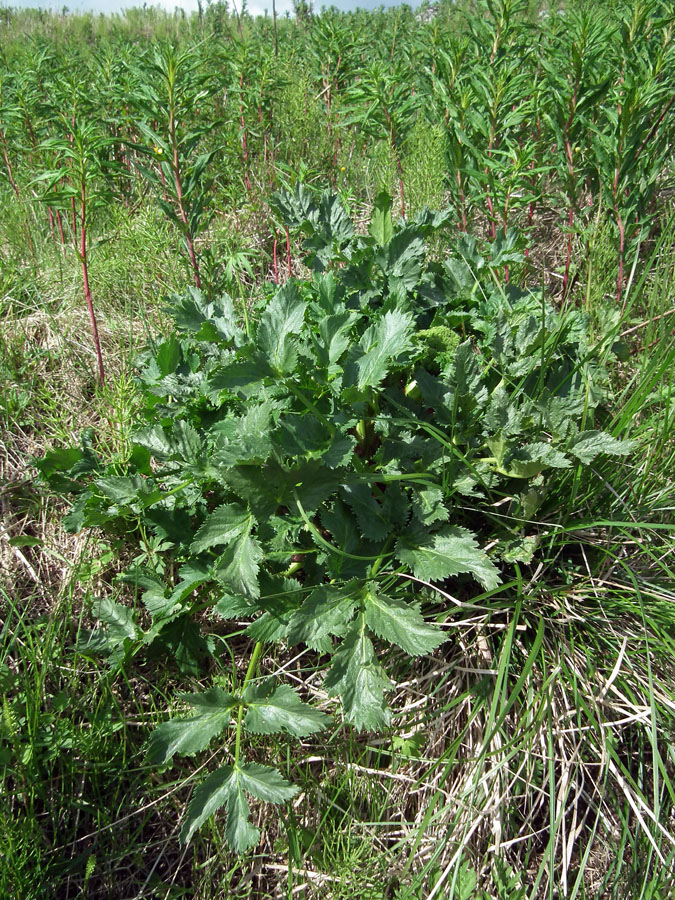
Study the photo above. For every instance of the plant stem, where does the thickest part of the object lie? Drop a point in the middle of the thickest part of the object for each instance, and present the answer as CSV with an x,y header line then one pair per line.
x,y
85,278
8,165
179,197
253,662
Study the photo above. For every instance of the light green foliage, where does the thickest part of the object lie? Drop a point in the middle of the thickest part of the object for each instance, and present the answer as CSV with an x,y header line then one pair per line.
x,y
425,165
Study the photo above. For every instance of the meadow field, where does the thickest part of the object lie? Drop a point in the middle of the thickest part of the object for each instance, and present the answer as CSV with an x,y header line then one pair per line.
x,y
337,440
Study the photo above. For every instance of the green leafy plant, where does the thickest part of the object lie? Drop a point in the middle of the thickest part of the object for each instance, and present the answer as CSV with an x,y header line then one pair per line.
x,y
179,171
331,473
88,188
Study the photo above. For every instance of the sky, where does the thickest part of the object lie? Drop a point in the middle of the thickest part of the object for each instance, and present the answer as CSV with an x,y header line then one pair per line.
x,y
255,7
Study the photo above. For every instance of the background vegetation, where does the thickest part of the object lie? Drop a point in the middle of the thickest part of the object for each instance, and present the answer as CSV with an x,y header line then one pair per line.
x,y
530,755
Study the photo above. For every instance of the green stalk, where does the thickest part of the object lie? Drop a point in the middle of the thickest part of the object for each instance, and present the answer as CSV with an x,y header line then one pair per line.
x,y
309,406
253,662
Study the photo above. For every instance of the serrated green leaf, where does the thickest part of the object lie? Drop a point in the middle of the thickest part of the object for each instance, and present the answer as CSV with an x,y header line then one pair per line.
x,y
380,345
327,611
213,792
359,679
242,376
238,566
232,607
118,620
273,709
226,787
240,833
266,783
370,515
400,623
589,444
528,461
224,524
450,551
182,444
334,332
520,549
208,320
402,260
280,599
244,438
188,736
283,318
183,638
168,355
428,505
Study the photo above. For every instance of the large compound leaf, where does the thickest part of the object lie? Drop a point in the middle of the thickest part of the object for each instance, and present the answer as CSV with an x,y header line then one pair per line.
x,y
213,710
401,624
226,787
273,709
450,551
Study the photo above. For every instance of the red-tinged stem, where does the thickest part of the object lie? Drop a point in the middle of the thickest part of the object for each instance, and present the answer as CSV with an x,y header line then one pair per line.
x,y
288,253
51,221
179,197
60,223
462,200
8,165
275,262
504,224
85,279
